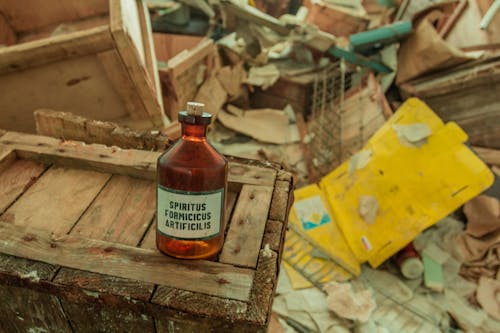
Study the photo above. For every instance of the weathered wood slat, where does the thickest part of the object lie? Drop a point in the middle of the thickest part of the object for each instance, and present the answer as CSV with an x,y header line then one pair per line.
x,y
17,177
135,163
30,311
121,212
36,53
189,302
118,75
247,226
99,283
127,262
26,269
250,174
89,318
132,55
57,200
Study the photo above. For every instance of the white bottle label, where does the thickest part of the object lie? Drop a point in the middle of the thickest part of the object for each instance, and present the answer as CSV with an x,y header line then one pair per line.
x,y
189,215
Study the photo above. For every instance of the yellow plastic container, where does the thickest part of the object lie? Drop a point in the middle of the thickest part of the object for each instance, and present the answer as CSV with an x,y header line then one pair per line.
x,y
412,173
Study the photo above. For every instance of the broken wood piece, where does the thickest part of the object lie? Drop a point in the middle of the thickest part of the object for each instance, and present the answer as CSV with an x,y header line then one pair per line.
x,y
67,126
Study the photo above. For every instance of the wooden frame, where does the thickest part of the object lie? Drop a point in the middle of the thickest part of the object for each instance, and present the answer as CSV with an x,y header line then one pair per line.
x,y
95,260
102,65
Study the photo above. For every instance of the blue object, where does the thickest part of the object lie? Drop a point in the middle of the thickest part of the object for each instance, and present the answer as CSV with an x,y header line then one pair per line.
x,y
358,59
369,42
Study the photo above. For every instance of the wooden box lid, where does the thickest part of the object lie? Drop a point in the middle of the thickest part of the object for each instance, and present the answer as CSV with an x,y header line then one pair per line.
x,y
77,221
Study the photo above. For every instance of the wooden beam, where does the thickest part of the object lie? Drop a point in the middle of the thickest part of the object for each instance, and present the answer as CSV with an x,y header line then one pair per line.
x,y
135,163
64,125
40,52
130,47
127,262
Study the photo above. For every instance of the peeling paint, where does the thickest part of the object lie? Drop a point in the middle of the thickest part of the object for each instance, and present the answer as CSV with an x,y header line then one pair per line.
x,y
37,330
91,293
33,276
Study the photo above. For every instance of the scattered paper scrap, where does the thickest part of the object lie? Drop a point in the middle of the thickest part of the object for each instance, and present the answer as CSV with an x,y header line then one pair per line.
x,y
488,296
266,125
264,76
349,304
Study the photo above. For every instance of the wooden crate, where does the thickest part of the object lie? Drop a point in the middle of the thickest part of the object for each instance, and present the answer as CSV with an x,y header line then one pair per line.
x,y
467,95
77,249
185,63
93,58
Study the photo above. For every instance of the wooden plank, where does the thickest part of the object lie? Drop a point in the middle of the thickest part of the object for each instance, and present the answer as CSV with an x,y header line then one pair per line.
x,y
29,15
168,46
251,174
57,200
118,75
263,289
25,269
149,49
63,125
105,284
7,157
79,85
16,179
72,45
64,28
246,231
135,163
185,60
489,156
25,310
127,262
7,34
106,319
131,57
201,305
121,213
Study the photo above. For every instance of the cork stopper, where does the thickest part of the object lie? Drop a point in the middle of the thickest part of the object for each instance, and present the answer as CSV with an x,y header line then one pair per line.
x,y
195,109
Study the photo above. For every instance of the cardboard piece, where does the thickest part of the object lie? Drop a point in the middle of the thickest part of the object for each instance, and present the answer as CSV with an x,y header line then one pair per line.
x,y
212,94
425,51
266,125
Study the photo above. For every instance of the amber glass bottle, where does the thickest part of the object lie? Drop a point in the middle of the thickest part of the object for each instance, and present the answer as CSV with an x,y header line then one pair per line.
x,y
191,191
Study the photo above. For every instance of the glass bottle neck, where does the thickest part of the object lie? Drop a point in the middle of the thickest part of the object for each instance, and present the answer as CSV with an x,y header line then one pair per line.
x,y
194,132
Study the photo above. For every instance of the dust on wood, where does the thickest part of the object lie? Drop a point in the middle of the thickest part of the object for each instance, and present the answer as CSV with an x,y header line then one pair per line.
x,y
120,213
57,200
247,226
126,261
